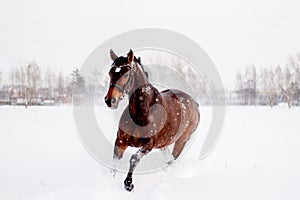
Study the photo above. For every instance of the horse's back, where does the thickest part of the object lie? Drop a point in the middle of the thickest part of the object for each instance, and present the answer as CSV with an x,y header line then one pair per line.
x,y
171,95
183,114
188,105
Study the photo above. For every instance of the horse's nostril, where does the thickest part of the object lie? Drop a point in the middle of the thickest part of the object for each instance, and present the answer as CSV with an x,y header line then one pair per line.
x,y
113,100
107,101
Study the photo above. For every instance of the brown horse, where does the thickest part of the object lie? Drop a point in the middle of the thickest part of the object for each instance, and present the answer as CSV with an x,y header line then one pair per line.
x,y
152,119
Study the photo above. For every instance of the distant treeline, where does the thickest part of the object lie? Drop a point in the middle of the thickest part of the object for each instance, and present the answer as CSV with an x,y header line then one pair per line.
x,y
27,85
271,85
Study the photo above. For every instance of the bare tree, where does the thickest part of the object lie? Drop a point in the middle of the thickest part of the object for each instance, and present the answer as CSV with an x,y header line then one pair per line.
x,y
271,89
60,84
49,83
250,85
78,82
279,87
22,77
239,81
287,77
33,75
12,77
292,94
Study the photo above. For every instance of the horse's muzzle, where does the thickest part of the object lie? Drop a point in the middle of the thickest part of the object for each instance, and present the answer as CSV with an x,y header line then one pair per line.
x,y
111,102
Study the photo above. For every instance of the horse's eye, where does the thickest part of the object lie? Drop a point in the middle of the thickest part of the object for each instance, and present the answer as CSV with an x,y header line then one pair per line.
x,y
126,75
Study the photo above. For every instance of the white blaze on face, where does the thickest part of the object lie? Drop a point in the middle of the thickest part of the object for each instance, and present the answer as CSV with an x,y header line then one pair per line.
x,y
118,69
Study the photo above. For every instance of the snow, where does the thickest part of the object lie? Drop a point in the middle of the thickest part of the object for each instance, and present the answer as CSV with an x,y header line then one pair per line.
x,y
257,157
146,89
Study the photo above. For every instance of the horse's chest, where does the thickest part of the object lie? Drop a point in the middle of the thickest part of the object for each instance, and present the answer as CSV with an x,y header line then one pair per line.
x,y
156,123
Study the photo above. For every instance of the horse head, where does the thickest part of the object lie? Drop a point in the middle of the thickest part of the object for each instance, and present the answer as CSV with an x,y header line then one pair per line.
x,y
121,78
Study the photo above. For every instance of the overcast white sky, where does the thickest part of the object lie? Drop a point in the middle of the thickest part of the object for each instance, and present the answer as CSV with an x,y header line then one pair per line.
x,y
61,33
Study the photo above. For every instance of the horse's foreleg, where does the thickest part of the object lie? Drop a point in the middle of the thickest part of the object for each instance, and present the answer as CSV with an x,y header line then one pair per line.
x,y
119,150
134,160
121,145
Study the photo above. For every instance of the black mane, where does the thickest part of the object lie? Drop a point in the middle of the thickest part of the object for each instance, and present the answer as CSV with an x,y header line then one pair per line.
x,y
138,60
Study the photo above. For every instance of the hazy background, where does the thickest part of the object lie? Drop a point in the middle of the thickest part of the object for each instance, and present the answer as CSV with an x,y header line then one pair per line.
x,y
258,155
61,34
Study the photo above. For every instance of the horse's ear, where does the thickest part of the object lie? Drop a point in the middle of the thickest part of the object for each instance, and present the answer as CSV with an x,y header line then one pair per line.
x,y
113,56
130,56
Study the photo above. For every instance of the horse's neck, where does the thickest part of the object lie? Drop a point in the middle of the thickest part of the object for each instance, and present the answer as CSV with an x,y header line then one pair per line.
x,y
143,96
140,77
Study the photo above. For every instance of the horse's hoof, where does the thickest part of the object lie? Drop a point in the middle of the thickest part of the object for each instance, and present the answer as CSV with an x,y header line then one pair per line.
x,y
129,188
128,184
171,163
113,172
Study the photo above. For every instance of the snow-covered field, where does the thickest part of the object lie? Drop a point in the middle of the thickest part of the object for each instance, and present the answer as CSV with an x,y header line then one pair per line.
x,y
257,157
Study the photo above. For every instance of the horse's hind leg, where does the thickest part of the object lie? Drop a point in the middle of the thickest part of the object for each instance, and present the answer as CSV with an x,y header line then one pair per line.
x,y
180,143
189,130
134,160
